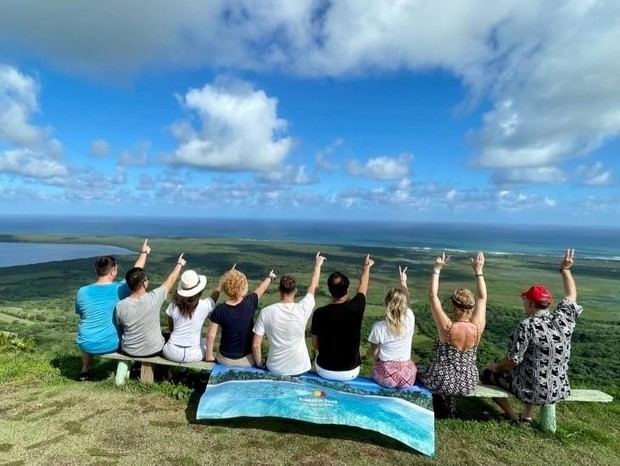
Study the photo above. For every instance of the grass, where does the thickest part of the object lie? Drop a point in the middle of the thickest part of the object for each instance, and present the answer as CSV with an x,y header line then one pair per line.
x,y
48,417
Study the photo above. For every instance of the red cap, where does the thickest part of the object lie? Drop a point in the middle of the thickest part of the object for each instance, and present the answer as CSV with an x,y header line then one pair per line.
x,y
539,294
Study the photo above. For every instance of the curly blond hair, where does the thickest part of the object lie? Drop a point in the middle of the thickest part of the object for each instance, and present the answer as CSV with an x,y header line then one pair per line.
x,y
463,303
235,284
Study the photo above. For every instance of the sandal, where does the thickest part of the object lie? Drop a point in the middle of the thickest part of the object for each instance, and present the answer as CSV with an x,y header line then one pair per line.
x,y
523,419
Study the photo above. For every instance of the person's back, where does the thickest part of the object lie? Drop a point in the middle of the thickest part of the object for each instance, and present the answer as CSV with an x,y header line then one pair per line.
x,y
187,331
453,370
138,314
542,343
140,321
95,304
236,321
284,324
338,327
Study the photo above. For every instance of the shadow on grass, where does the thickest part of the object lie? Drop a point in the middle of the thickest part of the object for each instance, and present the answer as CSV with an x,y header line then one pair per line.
x,y
70,366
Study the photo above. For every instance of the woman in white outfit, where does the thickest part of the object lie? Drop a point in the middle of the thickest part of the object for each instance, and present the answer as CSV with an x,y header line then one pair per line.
x,y
186,316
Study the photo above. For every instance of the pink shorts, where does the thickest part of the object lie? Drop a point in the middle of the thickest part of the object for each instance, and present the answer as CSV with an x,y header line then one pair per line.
x,y
394,374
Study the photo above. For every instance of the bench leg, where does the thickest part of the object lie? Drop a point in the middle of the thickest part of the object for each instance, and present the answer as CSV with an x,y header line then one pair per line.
x,y
146,373
122,372
547,418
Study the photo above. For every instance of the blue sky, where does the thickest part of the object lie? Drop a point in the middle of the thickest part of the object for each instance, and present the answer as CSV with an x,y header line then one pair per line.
x,y
395,110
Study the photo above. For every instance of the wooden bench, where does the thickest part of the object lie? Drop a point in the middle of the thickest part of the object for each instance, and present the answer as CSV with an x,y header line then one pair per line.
x,y
146,371
547,413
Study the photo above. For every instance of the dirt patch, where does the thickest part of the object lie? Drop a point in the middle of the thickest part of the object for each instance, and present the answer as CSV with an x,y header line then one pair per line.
x,y
4,447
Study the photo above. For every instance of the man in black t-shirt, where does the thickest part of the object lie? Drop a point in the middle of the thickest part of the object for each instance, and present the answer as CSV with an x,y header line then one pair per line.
x,y
336,327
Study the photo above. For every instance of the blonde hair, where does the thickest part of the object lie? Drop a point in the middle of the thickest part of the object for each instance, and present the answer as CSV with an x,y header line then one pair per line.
x,y
463,303
396,302
234,284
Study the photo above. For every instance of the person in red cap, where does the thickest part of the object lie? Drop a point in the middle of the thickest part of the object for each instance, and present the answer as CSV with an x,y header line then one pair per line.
x,y
536,366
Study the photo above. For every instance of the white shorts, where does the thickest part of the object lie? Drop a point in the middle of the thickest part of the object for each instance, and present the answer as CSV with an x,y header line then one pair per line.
x,y
341,376
185,353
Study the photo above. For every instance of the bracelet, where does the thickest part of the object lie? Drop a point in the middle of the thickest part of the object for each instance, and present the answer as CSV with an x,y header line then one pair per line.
x,y
144,252
479,275
435,273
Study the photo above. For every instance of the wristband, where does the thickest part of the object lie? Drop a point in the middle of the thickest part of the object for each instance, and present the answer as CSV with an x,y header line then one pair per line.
x,y
435,273
144,252
479,275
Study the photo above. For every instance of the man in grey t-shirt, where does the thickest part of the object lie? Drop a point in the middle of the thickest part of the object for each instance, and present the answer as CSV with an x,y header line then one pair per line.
x,y
138,314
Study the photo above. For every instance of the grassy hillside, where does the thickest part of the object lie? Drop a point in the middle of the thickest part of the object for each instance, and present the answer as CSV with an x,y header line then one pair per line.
x,y
44,413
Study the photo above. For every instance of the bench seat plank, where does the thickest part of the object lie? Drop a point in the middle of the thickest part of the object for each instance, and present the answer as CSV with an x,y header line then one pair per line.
x,y
201,365
577,394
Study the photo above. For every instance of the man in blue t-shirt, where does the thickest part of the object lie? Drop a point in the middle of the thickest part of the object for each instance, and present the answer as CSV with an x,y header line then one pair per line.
x,y
95,304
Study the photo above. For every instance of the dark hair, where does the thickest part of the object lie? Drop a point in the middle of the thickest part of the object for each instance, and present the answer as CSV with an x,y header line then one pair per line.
x,y
187,304
135,277
288,284
104,264
338,284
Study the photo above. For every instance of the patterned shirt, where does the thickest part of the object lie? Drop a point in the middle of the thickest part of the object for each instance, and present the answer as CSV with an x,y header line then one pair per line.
x,y
540,345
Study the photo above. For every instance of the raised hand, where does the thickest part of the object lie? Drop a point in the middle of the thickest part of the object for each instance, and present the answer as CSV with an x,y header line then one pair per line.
x,y
145,247
477,263
318,260
368,262
440,261
568,260
402,273
272,274
181,261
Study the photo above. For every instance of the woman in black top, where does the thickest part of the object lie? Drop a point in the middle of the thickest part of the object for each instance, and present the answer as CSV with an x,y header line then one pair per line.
x,y
236,317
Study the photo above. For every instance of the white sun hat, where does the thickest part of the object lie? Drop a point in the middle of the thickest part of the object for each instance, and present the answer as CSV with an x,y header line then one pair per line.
x,y
191,284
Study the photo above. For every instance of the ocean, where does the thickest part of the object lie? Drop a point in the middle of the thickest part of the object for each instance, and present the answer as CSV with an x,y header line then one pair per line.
x,y
589,242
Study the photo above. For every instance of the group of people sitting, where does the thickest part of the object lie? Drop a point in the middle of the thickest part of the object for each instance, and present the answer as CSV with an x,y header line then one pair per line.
x,y
125,316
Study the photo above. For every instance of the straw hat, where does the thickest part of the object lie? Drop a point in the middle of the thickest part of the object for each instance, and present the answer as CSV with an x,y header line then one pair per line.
x,y
191,284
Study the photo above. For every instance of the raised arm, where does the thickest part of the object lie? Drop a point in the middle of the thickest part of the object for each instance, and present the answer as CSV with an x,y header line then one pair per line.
x,y
316,274
480,310
442,321
365,277
260,291
402,275
211,333
145,250
172,277
570,289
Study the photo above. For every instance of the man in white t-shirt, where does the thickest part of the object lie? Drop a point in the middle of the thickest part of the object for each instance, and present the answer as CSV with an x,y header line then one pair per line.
x,y
284,323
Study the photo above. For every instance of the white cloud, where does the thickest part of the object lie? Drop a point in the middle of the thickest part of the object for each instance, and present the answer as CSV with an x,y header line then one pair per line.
x,y
594,175
530,175
550,71
27,162
287,175
324,156
99,148
382,168
32,152
137,156
239,129
18,102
